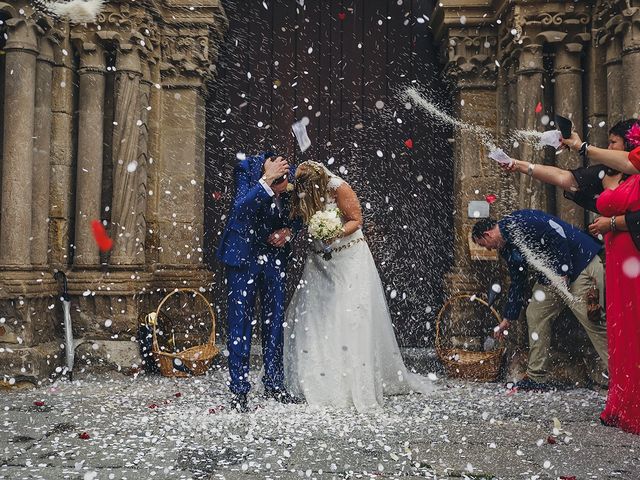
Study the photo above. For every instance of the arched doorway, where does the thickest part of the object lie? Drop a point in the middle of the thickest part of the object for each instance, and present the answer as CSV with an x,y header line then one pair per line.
x,y
341,64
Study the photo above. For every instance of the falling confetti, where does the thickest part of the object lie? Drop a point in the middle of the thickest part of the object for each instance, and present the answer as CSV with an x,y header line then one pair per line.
x,y
77,11
409,143
100,236
539,107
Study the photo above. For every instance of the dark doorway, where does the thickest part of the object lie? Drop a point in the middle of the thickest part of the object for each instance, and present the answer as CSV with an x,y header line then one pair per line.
x,y
341,63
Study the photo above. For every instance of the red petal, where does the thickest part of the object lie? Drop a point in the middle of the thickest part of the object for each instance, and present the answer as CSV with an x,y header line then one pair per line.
x,y
409,143
178,394
568,477
551,440
153,405
84,436
490,198
342,16
217,195
539,107
100,235
38,403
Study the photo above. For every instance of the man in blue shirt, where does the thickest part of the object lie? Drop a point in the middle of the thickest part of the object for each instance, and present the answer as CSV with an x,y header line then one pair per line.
x,y
568,272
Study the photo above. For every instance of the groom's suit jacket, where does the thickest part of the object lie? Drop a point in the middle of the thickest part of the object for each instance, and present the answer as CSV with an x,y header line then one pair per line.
x,y
253,216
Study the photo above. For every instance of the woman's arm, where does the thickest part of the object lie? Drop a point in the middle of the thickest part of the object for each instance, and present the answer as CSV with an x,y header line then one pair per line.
x,y
616,159
349,206
544,173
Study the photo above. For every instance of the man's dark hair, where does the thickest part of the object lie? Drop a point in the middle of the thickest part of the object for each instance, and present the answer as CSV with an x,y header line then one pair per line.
x,y
481,227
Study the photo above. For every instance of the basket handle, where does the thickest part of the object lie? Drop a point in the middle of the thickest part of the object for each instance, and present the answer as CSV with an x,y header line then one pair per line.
x,y
212,336
473,298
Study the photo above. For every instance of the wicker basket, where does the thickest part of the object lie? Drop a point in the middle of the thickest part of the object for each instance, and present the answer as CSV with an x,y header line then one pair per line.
x,y
466,364
192,361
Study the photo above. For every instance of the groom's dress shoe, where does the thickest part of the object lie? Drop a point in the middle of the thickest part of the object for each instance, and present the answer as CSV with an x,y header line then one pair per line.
x,y
239,403
528,385
281,396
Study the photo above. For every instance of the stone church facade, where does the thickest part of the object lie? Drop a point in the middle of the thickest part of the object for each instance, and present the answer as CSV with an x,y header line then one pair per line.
x,y
67,90
82,108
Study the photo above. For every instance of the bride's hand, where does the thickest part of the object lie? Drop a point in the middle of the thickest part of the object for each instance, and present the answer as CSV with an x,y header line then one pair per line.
x,y
280,237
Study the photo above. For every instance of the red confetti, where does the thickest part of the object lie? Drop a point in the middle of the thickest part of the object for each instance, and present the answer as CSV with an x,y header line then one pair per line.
x,y
39,403
409,143
217,409
217,195
84,436
551,440
178,394
539,107
490,198
153,405
568,477
100,235
342,16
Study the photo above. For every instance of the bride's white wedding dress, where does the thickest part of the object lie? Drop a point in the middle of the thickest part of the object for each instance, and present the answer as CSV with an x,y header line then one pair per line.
x,y
339,347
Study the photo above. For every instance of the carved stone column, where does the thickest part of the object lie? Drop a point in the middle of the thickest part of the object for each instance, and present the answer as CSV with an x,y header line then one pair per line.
x,y
469,52
614,80
90,141
569,103
596,84
529,78
128,247
186,62
631,63
17,174
63,131
146,121
42,154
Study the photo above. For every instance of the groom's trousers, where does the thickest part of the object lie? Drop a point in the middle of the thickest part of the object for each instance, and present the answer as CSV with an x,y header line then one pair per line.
x,y
265,279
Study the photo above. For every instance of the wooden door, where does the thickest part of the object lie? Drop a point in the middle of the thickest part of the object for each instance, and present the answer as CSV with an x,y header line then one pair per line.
x,y
341,64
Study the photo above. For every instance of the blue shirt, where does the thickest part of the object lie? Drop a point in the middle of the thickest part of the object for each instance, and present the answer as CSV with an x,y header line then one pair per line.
x,y
533,236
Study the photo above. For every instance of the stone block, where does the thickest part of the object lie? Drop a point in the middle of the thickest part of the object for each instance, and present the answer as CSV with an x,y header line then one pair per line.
x,y
98,356
30,364
106,316
27,322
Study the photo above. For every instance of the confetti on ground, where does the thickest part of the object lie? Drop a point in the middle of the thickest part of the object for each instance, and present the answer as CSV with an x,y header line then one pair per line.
x,y
103,428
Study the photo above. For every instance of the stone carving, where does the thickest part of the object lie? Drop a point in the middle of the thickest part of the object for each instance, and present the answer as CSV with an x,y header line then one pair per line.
x,y
470,59
187,54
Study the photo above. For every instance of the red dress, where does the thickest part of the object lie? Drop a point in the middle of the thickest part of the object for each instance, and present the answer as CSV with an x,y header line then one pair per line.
x,y
623,311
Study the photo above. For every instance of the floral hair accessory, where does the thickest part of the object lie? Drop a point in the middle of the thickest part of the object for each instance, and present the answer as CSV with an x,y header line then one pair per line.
x,y
633,135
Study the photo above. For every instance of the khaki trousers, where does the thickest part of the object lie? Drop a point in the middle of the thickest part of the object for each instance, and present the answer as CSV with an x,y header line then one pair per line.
x,y
540,315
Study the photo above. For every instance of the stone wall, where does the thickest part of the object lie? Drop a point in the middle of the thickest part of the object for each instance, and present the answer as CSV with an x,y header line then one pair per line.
x,y
576,59
116,108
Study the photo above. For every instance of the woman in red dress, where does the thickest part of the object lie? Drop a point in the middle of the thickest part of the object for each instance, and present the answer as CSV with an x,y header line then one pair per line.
x,y
623,309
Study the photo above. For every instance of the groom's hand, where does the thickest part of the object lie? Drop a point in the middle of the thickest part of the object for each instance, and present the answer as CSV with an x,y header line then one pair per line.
x,y
274,169
279,237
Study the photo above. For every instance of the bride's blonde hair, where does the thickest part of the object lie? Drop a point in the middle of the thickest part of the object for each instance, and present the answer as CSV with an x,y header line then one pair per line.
x,y
311,188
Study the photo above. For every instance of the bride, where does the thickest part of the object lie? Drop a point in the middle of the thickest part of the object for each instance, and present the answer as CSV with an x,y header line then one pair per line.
x,y
340,348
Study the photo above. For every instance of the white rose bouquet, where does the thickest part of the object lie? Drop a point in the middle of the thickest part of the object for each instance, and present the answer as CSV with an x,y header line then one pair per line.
x,y
325,224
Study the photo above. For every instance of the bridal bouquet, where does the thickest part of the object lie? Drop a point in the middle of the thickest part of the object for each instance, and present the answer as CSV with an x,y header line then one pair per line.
x,y
325,224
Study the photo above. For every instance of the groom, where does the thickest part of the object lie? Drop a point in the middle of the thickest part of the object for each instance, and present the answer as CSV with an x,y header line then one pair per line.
x,y
255,246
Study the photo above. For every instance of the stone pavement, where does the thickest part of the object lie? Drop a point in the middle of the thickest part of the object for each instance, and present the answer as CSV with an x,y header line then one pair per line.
x,y
115,427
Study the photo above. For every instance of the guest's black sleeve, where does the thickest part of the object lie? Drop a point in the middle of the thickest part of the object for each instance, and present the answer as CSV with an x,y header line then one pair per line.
x,y
633,224
589,180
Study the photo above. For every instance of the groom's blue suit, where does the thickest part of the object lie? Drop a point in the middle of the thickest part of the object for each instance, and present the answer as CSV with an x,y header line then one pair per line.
x,y
254,267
